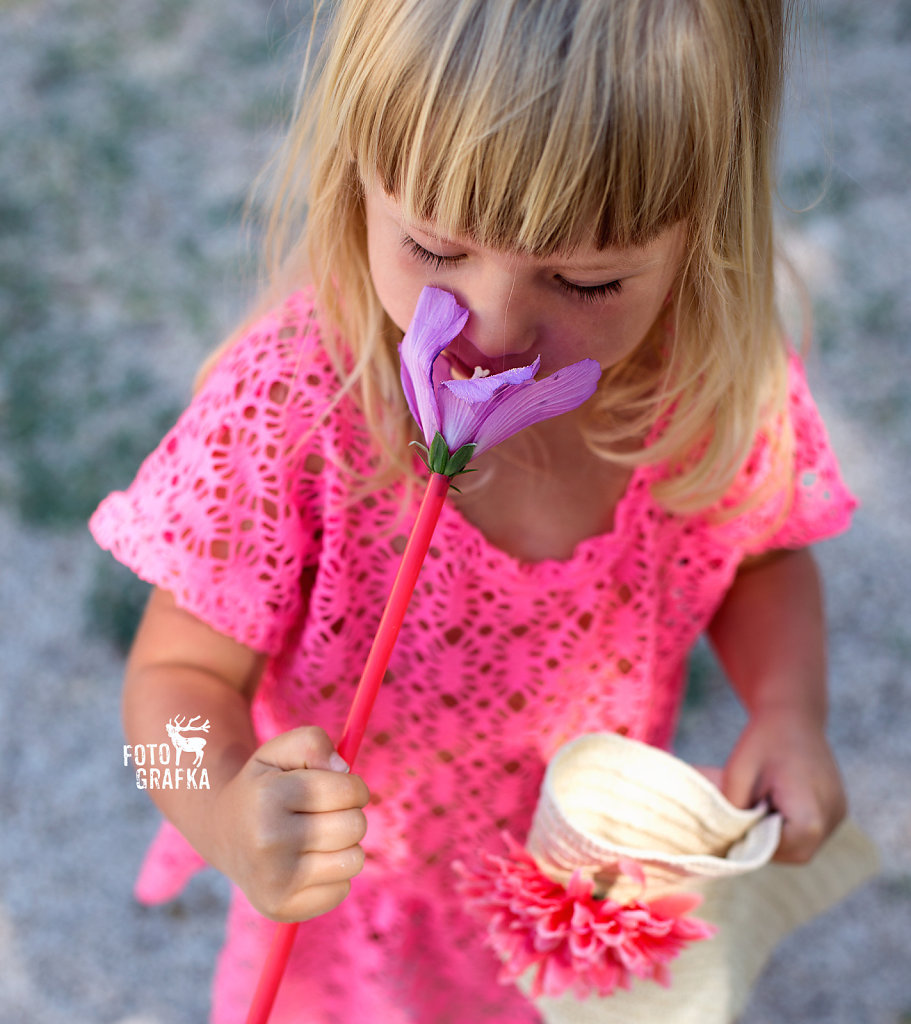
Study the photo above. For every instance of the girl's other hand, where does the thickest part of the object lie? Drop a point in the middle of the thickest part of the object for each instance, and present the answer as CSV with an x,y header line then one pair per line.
x,y
785,759
287,827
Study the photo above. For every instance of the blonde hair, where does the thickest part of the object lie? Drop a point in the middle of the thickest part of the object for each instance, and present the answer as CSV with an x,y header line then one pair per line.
x,y
522,123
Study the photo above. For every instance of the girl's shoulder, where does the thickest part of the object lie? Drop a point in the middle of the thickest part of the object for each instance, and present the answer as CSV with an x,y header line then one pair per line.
x,y
285,345
284,371
790,491
226,512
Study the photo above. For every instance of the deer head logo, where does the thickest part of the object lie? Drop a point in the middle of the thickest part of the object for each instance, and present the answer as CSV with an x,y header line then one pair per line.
x,y
177,726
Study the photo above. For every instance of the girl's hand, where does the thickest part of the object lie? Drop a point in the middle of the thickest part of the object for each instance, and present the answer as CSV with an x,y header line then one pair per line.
x,y
286,828
785,759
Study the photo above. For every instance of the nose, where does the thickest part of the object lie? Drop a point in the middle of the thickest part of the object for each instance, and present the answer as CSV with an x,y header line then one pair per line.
x,y
499,323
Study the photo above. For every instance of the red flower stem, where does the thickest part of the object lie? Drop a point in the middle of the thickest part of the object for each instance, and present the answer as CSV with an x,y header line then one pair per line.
x,y
364,698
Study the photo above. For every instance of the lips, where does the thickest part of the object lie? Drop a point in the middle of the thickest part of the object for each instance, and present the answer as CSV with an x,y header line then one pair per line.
x,y
459,369
472,364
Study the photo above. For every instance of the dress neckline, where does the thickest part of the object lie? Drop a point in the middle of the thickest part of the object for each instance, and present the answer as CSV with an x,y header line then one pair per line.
x,y
593,552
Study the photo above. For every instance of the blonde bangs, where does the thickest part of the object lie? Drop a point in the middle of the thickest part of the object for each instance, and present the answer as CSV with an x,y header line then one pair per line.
x,y
537,126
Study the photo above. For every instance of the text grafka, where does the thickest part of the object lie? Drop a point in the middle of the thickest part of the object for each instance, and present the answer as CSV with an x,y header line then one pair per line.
x,y
152,761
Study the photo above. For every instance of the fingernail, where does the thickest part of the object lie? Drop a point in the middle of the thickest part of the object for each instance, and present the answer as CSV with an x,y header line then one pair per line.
x,y
338,763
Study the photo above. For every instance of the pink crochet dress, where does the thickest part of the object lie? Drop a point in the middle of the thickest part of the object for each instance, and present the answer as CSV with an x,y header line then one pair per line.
x,y
498,662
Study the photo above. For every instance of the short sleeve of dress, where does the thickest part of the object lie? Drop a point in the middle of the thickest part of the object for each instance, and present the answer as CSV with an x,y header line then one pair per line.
x,y
223,514
805,503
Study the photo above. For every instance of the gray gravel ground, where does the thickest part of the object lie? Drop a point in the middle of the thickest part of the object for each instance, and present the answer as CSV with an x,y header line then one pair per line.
x,y
128,136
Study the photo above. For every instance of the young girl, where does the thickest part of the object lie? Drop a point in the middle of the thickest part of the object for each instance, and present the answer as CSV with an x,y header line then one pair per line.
x,y
590,179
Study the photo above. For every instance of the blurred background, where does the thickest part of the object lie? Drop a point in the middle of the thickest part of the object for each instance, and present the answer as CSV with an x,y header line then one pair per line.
x,y
129,136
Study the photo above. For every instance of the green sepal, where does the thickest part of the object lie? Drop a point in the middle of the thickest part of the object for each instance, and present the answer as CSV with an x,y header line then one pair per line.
x,y
422,451
439,454
452,485
459,459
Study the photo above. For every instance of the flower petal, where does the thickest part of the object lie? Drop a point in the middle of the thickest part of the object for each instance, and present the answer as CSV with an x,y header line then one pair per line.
x,y
515,409
675,904
483,389
460,419
437,319
484,410
408,388
463,412
570,940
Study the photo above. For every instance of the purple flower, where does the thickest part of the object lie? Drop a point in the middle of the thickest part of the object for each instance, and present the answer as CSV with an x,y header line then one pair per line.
x,y
462,418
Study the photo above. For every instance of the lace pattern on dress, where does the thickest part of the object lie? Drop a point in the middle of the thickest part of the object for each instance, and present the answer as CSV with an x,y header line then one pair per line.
x,y
242,513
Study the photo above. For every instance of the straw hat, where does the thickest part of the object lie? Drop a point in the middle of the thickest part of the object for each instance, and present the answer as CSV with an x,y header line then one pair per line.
x,y
608,801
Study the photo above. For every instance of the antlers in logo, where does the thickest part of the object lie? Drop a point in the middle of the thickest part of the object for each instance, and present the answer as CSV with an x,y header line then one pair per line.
x,y
177,726
178,723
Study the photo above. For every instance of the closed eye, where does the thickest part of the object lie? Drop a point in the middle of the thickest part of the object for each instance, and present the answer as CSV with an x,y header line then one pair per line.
x,y
426,256
591,292
587,293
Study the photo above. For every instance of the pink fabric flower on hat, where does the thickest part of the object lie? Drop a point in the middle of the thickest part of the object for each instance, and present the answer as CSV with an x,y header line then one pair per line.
x,y
462,418
568,936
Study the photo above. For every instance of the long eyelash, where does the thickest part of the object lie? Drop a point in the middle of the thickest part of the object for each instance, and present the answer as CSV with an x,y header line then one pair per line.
x,y
425,255
587,293
591,293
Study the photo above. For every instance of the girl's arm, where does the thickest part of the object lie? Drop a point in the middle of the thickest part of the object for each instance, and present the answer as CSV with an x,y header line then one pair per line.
x,y
282,820
769,634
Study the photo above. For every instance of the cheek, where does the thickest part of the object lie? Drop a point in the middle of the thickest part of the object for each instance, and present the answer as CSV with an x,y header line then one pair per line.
x,y
611,336
629,328
397,286
397,293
